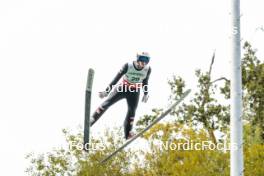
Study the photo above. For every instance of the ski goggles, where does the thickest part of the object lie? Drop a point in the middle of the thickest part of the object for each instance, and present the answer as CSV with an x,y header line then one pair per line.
x,y
143,59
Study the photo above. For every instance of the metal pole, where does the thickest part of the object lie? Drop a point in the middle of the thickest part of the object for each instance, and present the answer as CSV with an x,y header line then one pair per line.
x,y
236,159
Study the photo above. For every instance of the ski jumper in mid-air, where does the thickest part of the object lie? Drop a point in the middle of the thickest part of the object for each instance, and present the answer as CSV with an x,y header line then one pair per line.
x,y
135,77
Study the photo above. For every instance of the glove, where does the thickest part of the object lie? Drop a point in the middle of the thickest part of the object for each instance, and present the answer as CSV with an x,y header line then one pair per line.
x,y
103,94
145,98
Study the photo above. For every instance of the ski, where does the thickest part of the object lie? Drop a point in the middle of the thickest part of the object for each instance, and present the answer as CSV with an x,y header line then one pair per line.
x,y
88,93
165,113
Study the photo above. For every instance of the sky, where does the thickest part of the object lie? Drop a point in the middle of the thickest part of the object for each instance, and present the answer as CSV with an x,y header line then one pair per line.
x,y
46,48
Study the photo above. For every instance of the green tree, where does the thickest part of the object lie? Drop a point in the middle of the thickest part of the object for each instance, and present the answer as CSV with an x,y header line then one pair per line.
x,y
203,109
253,90
170,162
74,161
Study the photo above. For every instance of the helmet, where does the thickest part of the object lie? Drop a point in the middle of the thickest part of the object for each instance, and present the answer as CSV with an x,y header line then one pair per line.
x,y
143,56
